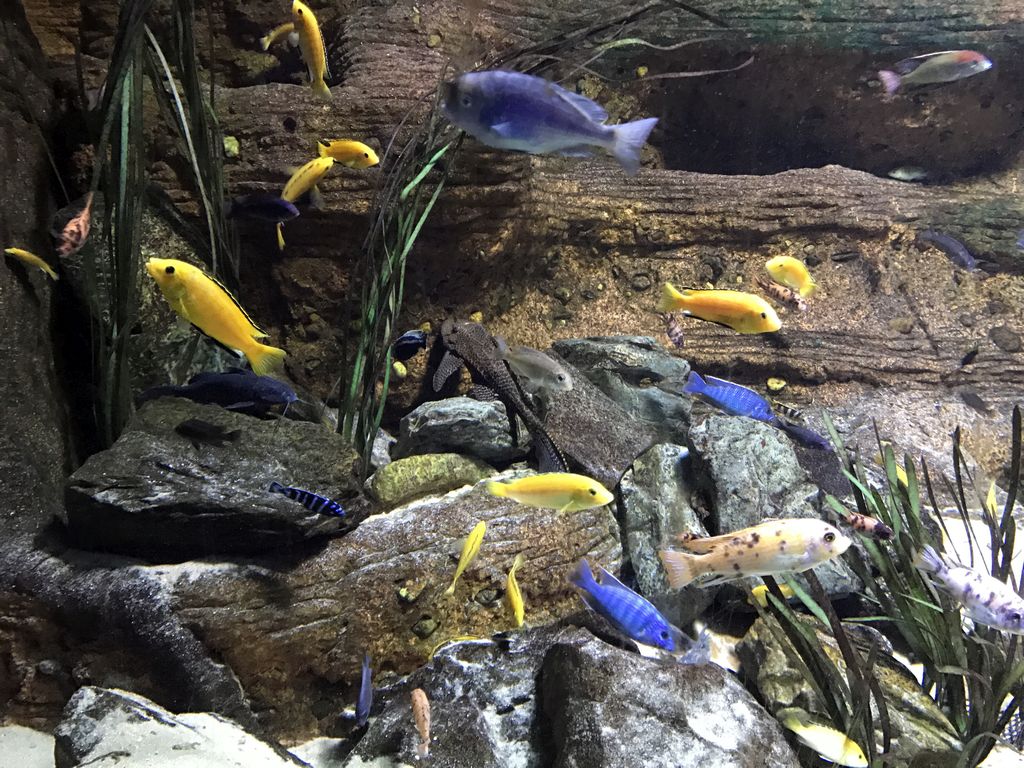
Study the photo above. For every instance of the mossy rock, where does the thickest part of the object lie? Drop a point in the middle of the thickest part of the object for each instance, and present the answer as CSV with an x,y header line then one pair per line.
x,y
425,475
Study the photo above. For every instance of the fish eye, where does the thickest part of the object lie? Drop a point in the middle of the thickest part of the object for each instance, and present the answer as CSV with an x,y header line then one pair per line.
x,y
169,270
1015,617
466,101
764,315
593,491
830,537
663,634
366,154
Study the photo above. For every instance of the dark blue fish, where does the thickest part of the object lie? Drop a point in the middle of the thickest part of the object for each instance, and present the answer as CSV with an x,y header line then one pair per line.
x,y
1020,239
731,398
200,431
314,502
408,344
235,389
949,245
627,611
510,110
700,651
806,437
264,207
365,700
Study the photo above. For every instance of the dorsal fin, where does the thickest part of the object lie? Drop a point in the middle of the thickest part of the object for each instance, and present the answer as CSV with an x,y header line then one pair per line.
x,y
591,109
260,333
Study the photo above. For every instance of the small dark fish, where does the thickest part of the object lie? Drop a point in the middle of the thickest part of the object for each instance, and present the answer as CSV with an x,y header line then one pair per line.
x,y
262,206
235,389
674,329
870,525
199,431
365,700
949,245
409,344
806,437
973,400
781,293
941,67
787,410
314,502
969,357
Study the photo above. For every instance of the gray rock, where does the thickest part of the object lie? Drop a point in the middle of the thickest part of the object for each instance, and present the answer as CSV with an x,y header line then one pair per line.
x,y
625,368
655,502
381,453
110,728
154,494
26,748
425,475
460,425
606,707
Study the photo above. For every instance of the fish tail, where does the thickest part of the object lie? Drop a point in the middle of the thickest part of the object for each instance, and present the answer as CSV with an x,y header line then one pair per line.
x,y
583,577
265,42
890,80
276,487
680,567
671,299
629,139
320,88
695,384
497,489
280,237
322,148
264,358
929,560
808,289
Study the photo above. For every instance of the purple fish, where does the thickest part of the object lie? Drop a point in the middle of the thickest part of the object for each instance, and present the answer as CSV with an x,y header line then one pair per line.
x,y
365,700
949,245
941,67
261,206
510,110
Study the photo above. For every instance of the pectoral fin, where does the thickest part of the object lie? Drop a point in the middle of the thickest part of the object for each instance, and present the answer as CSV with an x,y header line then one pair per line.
x,y
450,364
504,130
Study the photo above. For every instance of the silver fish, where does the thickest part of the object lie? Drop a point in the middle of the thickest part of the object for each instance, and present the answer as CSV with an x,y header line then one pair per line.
x,y
932,68
537,373
984,598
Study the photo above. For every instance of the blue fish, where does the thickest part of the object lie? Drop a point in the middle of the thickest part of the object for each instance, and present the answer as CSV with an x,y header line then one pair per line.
x,y
700,651
265,207
1020,239
235,389
365,700
949,245
314,502
408,344
731,398
804,436
627,611
510,110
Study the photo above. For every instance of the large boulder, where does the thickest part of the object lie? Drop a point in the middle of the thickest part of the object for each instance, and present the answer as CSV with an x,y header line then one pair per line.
x,y
107,728
460,425
156,494
427,474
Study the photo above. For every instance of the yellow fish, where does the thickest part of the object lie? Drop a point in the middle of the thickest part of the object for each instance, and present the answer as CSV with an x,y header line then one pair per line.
x,y
515,597
759,594
302,181
791,273
743,312
990,501
454,640
831,744
776,546
32,260
312,46
469,550
205,303
563,491
284,30
901,473
350,153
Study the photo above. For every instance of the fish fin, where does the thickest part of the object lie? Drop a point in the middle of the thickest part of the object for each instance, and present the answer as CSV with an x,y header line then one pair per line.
x,y
694,384
280,236
890,80
497,489
583,577
316,200
680,567
608,580
504,130
588,107
484,394
293,39
502,346
241,405
322,148
629,139
230,350
723,579
549,457
929,560
580,151
809,289
276,487
449,365
264,358
702,545
265,42
670,298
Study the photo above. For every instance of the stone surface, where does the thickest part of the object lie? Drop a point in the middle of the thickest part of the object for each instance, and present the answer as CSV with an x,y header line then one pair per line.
x,y
626,368
917,723
425,475
107,728
460,425
155,494
607,707
25,747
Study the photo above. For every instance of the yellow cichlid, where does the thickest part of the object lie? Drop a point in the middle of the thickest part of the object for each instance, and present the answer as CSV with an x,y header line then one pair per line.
x,y
284,30
791,273
990,501
469,550
901,473
831,744
348,152
303,181
311,43
515,597
743,312
32,260
207,305
759,594
563,491
773,547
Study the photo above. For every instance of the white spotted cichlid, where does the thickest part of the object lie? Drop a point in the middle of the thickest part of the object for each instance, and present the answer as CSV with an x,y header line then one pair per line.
x,y
303,181
835,746
469,550
207,305
513,593
743,312
773,547
286,30
27,257
348,152
791,273
563,491
311,43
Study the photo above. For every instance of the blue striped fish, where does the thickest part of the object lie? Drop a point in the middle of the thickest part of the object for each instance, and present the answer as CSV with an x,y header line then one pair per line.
x,y
314,502
624,609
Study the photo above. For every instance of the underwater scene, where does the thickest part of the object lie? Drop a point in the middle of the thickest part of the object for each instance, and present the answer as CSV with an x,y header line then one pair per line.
x,y
511,383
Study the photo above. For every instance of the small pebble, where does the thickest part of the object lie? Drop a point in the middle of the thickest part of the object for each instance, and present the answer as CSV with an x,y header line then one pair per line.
x,y
1005,338
641,282
424,628
776,384
433,40
563,294
845,256
901,324
486,596
231,146
477,317
398,370
641,71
